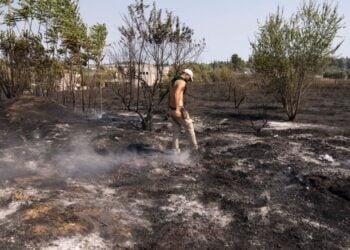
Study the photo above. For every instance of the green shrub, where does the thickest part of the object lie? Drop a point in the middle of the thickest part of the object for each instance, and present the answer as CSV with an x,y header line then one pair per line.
x,y
335,74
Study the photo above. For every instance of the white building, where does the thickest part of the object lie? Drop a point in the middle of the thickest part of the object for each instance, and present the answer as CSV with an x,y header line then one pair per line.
x,y
148,73
69,81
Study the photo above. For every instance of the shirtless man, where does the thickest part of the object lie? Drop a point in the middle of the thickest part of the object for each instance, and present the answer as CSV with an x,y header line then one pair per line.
x,y
177,112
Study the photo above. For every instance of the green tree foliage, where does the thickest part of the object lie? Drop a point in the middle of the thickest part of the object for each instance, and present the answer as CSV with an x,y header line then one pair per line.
x,y
338,68
97,36
289,52
335,74
201,72
40,40
97,43
221,74
237,62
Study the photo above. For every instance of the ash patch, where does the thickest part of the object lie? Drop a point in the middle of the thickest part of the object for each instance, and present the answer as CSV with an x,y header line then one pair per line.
x,y
180,206
101,182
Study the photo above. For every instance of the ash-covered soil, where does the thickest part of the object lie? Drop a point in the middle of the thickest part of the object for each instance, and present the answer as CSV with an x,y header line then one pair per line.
x,y
72,181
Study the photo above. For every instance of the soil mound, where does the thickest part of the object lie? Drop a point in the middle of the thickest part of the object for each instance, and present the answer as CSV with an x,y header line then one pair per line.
x,y
33,110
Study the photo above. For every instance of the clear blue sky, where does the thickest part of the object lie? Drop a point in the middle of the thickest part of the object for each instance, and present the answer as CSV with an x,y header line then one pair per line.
x,y
227,25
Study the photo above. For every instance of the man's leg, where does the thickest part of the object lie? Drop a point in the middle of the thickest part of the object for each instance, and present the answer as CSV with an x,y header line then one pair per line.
x,y
176,135
191,135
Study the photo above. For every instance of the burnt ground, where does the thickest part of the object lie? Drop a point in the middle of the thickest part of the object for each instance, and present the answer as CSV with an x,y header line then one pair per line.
x,y
71,181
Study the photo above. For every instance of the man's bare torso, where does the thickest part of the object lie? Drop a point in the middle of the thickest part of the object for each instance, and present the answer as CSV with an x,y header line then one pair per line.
x,y
180,92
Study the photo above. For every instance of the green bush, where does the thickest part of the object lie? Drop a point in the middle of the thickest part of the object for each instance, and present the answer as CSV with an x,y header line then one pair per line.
x,y
335,74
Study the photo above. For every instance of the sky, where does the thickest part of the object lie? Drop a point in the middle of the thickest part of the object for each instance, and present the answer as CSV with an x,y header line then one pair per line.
x,y
228,26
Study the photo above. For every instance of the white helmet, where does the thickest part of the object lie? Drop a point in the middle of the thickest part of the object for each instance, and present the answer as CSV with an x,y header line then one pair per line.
x,y
189,72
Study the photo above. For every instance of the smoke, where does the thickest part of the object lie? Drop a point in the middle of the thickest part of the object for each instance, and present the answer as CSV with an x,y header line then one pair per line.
x,y
76,157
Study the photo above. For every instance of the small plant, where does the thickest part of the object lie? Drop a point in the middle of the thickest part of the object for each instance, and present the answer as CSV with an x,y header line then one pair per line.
x,y
260,121
237,90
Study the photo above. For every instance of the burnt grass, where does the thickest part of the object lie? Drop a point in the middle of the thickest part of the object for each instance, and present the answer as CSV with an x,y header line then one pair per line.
x,y
68,176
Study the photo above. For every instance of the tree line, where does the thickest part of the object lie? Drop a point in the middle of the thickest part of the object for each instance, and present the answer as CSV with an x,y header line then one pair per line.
x,y
338,68
41,41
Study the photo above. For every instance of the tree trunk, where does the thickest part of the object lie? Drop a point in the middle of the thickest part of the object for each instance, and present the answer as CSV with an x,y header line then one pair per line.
x,y
291,117
229,91
7,91
82,99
